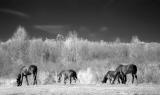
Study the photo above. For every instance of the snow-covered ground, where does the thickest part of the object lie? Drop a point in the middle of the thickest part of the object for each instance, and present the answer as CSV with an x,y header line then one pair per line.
x,y
77,89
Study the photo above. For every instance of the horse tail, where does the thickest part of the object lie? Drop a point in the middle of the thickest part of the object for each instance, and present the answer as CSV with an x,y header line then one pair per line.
x,y
135,69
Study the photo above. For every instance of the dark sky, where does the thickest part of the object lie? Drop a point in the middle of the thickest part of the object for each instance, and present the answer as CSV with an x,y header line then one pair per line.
x,y
92,19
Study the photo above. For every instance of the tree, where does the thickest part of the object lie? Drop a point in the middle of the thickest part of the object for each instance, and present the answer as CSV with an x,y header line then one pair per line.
x,y
19,44
117,40
20,34
135,39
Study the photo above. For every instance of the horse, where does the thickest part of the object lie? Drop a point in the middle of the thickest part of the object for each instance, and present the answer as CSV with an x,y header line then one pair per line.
x,y
111,75
24,72
67,74
127,69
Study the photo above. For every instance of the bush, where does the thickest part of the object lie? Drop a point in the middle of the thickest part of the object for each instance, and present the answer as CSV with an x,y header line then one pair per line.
x,y
87,76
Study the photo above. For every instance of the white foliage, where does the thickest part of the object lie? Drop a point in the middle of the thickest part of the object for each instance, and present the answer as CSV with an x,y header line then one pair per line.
x,y
8,82
42,77
68,42
20,34
87,76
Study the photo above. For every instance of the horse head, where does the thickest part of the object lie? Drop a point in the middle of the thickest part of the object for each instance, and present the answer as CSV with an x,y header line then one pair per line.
x,y
19,80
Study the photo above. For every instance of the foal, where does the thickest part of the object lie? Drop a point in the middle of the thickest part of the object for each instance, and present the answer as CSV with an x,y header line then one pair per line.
x,y
67,74
24,72
110,75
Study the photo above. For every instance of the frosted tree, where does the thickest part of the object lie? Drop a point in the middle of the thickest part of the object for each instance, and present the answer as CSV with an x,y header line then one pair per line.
x,y
117,40
19,43
20,34
135,39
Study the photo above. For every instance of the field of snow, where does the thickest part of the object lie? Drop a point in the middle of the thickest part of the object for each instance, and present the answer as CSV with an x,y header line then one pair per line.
x,y
77,89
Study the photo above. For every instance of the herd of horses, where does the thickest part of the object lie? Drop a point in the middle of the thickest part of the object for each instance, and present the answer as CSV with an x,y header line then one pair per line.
x,y
120,74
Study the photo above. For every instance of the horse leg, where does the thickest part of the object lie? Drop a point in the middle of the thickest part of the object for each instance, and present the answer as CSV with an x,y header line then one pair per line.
x,y
118,80
125,79
27,80
70,78
114,79
136,77
105,81
110,80
59,78
121,78
65,79
21,81
35,78
132,78
75,79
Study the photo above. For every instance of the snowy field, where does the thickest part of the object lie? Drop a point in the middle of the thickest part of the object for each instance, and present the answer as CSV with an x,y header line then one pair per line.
x,y
97,89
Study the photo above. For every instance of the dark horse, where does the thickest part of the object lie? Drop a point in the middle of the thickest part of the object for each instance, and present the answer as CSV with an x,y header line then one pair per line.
x,y
67,74
127,69
25,71
110,75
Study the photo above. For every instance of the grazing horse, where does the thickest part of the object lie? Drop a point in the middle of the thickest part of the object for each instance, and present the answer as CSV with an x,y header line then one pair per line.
x,y
67,74
127,69
111,75
24,72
